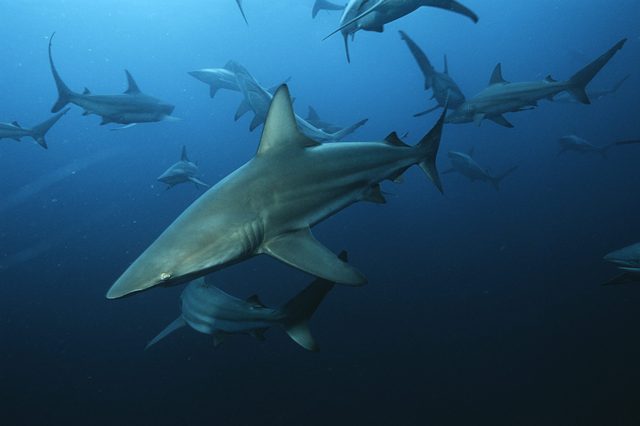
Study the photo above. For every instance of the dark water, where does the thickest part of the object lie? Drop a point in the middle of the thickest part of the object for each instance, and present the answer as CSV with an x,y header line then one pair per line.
x,y
482,308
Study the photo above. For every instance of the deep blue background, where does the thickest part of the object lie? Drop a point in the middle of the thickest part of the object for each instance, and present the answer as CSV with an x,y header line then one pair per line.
x,y
483,307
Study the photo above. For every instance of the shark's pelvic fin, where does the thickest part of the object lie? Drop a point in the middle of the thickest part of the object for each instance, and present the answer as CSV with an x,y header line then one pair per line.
x,y
132,86
301,250
499,119
175,325
280,127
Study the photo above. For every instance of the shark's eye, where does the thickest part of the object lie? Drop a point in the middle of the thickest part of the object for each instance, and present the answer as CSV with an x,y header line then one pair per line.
x,y
165,276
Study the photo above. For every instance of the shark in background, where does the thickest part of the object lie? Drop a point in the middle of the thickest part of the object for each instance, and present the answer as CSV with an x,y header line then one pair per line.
x,y
314,119
594,95
373,15
465,165
575,143
269,205
502,96
184,171
628,261
445,90
258,99
209,310
319,5
129,108
38,132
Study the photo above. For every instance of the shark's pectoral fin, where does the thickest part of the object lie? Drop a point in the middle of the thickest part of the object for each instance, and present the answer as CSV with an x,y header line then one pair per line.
x,y
477,119
376,28
128,126
301,250
176,324
198,182
499,119
212,90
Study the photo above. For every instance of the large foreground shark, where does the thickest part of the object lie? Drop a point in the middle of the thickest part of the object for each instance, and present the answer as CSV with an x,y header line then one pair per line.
x,y
502,96
209,310
258,100
445,90
577,144
465,165
129,108
628,260
15,131
269,205
184,171
372,15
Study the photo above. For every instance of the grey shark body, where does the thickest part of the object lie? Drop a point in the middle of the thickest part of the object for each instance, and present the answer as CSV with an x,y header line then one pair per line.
x,y
577,144
16,132
184,171
594,95
216,79
129,108
258,99
373,15
628,261
319,5
314,119
465,165
209,310
445,90
269,205
501,96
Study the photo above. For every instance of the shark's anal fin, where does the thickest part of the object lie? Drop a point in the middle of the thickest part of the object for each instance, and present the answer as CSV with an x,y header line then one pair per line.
x,y
301,250
255,301
374,195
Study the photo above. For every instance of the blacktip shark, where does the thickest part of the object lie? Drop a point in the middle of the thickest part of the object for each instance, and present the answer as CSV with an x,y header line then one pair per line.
x,y
594,95
314,119
38,132
465,165
628,260
184,171
259,99
372,15
129,108
209,310
502,96
445,90
577,144
269,205
319,5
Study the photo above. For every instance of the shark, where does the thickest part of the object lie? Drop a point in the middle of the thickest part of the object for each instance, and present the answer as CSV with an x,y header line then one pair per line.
x,y
269,205
373,15
445,90
628,261
465,165
239,3
129,108
184,171
577,144
216,79
258,100
314,119
16,132
594,95
209,310
502,96
319,5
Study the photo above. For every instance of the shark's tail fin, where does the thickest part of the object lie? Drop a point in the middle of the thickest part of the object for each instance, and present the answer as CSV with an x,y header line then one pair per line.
x,y
324,5
428,147
340,134
64,93
298,310
495,180
421,59
578,82
176,324
40,130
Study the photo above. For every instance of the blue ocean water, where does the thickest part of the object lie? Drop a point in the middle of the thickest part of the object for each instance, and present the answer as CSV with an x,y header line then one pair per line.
x,y
482,307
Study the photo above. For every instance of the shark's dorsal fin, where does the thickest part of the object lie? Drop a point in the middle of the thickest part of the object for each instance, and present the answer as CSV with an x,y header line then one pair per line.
x,y
496,75
280,127
254,301
301,250
132,86
184,156
229,65
550,79
446,65
394,140
86,91
15,123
